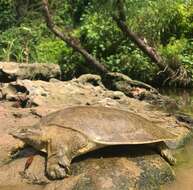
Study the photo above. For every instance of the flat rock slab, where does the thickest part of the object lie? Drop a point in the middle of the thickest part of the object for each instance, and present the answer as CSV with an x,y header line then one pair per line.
x,y
132,169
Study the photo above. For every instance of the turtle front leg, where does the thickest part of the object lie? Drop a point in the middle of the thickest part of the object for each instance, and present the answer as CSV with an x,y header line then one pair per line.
x,y
57,162
62,148
166,153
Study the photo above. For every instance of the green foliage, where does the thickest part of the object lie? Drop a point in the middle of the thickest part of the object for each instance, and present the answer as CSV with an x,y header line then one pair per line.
x,y
133,64
71,63
166,24
7,14
56,51
102,38
149,18
141,67
99,34
180,24
179,52
19,44
49,50
184,23
187,57
173,51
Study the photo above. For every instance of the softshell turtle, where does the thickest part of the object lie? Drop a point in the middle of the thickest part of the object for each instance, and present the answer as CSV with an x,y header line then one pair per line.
x,y
73,131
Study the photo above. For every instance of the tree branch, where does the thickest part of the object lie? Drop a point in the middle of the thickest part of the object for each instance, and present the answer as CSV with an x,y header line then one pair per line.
x,y
72,41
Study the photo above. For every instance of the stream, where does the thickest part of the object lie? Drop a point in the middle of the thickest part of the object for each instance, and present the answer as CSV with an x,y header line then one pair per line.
x,y
184,168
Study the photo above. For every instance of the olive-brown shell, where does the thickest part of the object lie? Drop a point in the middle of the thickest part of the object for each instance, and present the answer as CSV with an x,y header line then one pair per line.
x,y
109,126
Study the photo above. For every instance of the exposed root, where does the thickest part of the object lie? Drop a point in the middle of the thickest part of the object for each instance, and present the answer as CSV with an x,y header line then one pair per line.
x,y
179,77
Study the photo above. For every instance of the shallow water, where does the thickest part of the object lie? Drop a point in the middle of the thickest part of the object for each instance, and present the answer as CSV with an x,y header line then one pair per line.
x,y
184,168
183,97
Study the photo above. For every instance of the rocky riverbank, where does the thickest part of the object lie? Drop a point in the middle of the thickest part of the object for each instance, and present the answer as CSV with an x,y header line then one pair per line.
x,y
23,103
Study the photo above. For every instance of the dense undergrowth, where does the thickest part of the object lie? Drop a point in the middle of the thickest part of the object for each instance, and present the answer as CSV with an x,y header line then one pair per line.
x,y
167,25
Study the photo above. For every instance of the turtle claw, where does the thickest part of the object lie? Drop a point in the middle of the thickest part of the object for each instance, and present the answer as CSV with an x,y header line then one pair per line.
x,y
167,155
56,172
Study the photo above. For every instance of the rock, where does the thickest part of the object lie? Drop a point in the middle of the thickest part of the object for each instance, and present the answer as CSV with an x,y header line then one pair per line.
x,y
95,80
137,89
132,169
12,174
11,71
118,81
11,118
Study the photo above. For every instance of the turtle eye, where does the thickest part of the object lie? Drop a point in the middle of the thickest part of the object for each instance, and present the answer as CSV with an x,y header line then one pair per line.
x,y
23,130
30,132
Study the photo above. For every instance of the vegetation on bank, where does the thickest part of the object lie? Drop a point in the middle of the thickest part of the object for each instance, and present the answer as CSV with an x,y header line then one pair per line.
x,y
167,25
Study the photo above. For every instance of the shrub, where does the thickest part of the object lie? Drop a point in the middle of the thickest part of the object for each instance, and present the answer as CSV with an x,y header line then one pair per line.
x,y
19,43
49,50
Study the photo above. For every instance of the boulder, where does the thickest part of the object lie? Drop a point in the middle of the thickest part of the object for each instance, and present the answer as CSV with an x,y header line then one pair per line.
x,y
11,71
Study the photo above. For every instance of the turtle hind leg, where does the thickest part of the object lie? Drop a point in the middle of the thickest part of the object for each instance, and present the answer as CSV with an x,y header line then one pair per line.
x,y
166,153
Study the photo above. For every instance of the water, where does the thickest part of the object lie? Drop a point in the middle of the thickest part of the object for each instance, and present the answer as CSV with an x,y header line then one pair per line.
x,y
184,169
183,97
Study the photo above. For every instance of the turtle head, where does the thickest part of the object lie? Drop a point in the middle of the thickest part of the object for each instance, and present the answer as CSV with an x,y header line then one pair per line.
x,y
30,136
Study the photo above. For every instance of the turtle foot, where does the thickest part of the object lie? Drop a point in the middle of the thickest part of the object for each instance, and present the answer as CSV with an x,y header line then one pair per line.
x,y
56,171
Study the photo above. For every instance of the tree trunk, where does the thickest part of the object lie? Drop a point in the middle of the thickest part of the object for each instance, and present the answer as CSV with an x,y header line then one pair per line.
x,y
180,76
72,42
149,51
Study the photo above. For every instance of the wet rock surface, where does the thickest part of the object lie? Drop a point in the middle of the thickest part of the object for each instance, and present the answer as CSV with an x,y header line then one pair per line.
x,y
129,168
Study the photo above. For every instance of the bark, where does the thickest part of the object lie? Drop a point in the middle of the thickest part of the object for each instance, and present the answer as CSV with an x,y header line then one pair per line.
x,y
72,41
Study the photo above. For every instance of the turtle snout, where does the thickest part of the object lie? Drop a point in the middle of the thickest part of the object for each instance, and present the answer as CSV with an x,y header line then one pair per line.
x,y
25,133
